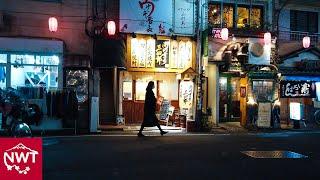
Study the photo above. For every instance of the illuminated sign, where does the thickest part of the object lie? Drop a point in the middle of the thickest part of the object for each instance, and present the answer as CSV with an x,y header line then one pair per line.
x,y
295,111
161,53
294,89
318,90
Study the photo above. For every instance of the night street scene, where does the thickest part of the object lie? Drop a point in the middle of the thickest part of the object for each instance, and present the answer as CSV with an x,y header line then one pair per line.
x,y
159,89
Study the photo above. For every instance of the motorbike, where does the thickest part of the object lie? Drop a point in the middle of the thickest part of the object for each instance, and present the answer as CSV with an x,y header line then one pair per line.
x,y
14,113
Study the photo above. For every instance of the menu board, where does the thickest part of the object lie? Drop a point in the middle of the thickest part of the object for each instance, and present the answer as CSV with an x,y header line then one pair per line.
x,y
164,109
264,115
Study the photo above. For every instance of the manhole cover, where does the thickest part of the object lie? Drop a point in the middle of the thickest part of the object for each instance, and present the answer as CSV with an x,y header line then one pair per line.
x,y
274,154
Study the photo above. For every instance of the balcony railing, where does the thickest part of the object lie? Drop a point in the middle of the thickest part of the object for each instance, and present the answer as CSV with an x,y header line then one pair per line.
x,y
298,36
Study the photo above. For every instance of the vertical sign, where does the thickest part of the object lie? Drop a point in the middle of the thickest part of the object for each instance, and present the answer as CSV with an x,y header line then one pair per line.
x,y
150,53
184,16
162,53
186,94
174,54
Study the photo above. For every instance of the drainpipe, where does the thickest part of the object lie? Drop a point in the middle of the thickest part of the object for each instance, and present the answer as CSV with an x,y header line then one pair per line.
x,y
115,90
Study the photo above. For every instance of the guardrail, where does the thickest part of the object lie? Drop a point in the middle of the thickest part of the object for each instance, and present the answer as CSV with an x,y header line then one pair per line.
x,y
298,36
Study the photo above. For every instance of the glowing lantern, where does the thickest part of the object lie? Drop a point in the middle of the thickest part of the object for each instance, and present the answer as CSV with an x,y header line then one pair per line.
x,y
111,27
267,38
53,24
306,42
224,34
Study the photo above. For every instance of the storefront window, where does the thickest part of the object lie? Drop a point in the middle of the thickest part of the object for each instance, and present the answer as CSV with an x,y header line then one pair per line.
x,y
214,15
256,18
33,71
243,17
168,90
228,16
263,90
3,58
127,90
141,86
3,61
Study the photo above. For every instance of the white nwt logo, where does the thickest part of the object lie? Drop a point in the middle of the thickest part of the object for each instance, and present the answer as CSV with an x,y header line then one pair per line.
x,y
18,158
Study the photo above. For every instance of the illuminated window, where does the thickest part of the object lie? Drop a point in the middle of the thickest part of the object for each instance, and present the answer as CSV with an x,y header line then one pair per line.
x,y
243,17
228,16
263,89
256,18
214,15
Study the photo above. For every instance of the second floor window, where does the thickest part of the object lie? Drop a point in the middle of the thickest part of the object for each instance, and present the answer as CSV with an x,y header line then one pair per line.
x,y
235,16
304,21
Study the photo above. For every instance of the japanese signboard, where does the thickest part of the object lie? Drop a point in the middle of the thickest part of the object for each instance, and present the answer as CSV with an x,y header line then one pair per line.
x,y
160,53
296,89
157,17
264,115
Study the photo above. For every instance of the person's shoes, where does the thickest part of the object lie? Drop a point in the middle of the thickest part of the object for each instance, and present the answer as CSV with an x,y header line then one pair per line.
x,y
163,132
140,135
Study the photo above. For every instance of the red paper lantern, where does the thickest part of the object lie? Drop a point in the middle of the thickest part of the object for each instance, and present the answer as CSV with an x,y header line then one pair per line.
x,y
224,34
111,27
306,42
53,24
267,38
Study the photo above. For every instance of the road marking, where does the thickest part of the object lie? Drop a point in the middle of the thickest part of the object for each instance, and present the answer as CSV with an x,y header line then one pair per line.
x,y
274,154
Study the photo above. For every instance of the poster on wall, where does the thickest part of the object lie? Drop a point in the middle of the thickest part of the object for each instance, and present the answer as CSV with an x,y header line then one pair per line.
x,y
264,115
157,16
297,89
162,53
186,94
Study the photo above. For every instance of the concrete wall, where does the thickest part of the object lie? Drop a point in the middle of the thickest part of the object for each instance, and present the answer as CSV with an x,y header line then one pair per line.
x,y
212,72
30,19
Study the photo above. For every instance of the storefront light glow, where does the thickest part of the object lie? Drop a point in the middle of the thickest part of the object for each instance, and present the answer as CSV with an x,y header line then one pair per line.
x,y
251,101
53,24
306,42
295,111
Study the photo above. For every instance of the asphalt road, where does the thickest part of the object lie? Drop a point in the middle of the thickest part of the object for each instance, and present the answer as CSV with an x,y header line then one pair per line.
x,y
181,157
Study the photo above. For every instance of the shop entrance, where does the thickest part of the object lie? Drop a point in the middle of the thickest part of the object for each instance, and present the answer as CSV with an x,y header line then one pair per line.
x,y
229,104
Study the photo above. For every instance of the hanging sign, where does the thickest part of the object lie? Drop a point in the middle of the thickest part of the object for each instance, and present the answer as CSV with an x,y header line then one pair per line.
x,y
296,89
157,17
264,115
259,53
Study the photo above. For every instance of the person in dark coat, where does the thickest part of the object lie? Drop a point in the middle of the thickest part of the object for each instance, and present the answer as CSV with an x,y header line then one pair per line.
x,y
150,119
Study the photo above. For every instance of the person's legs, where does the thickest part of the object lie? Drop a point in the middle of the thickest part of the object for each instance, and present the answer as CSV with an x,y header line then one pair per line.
x,y
140,131
162,132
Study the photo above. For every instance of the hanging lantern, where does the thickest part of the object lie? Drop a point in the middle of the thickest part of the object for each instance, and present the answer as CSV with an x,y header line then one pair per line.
x,y
224,34
53,24
267,38
306,42
111,27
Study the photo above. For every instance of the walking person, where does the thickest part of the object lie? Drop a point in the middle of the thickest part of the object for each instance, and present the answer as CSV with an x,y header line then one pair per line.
x,y
150,119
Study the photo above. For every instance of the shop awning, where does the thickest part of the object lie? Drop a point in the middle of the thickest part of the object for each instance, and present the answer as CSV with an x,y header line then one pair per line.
x,y
109,53
25,45
302,78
